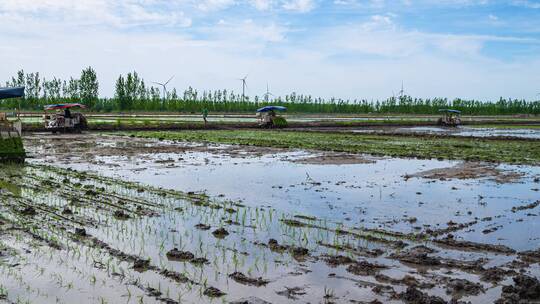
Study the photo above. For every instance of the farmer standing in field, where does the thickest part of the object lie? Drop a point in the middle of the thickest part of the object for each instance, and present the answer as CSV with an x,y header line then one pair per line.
x,y
205,115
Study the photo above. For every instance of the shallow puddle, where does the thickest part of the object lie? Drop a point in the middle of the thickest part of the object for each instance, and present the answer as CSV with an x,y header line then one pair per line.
x,y
524,132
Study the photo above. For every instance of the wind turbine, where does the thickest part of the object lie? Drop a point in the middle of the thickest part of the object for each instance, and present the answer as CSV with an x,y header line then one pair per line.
x,y
267,94
244,86
164,85
402,91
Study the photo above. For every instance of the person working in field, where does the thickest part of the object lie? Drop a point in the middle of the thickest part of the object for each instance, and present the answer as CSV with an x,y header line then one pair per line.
x,y
205,115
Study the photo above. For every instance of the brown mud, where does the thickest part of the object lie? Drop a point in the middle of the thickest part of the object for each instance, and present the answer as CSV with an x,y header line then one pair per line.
x,y
334,159
243,279
471,170
525,289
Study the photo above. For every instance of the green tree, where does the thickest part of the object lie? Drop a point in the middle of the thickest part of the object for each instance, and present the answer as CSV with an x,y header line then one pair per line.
x,y
120,93
89,87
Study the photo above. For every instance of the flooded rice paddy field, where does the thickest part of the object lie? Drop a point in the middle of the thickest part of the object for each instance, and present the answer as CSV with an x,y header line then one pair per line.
x,y
111,219
524,131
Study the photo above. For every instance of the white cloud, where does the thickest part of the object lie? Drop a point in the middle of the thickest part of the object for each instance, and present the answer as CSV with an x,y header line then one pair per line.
x,y
247,34
122,13
262,5
527,3
299,5
214,5
380,36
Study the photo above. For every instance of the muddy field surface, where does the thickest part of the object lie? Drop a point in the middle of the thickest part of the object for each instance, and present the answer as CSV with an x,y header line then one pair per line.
x,y
531,132
199,223
360,190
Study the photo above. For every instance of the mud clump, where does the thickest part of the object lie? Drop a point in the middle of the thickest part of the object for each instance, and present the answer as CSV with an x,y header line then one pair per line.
x,y
67,211
184,256
415,296
525,290
495,274
220,233
299,252
177,255
471,170
407,280
202,226
30,211
365,268
140,264
530,255
336,260
276,247
120,215
292,293
461,287
153,292
250,300
333,158
466,245
452,227
243,279
213,292
294,223
175,276
198,261
356,250
526,207
417,255
305,217
80,232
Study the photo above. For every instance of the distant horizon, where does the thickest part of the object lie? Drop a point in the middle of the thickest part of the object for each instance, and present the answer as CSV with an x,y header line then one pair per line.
x,y
467,49
251,97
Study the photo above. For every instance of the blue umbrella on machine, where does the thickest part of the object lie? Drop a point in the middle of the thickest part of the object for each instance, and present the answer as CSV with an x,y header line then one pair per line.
x,y
271,108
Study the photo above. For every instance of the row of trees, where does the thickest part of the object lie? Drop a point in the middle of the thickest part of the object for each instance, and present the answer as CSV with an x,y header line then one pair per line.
x,y
133,94
40,91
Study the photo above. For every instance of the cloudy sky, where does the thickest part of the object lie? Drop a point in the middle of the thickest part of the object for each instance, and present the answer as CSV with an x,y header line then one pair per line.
x,y
344,48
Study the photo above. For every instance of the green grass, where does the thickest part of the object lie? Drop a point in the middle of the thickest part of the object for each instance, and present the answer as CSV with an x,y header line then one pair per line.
x,y
515,151
11,149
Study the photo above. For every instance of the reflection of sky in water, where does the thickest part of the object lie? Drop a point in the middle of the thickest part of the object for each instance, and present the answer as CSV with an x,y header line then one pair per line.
x,y
480,132
372,195
460,131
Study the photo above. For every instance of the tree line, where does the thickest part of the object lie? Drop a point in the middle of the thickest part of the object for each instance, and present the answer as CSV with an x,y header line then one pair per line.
x,y
133,94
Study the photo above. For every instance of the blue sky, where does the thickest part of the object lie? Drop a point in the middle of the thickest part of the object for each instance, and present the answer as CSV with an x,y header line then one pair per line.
x,y
361,49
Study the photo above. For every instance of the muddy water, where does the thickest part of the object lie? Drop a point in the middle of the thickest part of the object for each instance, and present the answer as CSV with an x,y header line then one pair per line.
x,y
524,132
356,239
372,193
45,259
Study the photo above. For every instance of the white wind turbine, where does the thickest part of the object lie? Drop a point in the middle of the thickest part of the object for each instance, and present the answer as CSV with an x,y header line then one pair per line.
x,y
244,86
164,85
267,94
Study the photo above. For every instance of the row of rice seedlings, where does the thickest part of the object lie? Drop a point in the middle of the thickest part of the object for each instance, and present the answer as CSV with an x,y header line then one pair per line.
x,y
154,234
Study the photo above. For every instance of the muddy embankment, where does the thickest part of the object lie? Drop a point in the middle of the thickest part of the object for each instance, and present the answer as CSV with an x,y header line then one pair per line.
x,y
325,125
